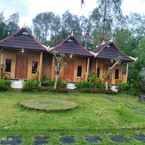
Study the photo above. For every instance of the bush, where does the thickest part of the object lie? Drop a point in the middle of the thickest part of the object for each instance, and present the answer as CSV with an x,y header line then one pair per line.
x,y
89,85
46,82
124,87
84,85
31,85
61,84
142,80
4,85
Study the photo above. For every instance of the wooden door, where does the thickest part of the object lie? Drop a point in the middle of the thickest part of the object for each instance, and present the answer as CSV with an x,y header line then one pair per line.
x,y
69,72
21,66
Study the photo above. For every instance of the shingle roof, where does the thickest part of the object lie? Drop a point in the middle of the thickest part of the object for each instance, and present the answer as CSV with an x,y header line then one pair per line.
x,y
71,46
108,50
22,39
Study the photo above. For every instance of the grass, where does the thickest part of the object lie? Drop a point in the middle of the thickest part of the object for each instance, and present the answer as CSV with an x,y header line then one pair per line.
x,y
97,114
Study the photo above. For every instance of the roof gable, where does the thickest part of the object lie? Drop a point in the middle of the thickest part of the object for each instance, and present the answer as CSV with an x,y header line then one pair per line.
x,y
109,50
22,39
71,46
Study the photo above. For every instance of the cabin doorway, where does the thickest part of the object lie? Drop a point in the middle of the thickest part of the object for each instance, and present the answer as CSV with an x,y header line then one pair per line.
x,y
21,66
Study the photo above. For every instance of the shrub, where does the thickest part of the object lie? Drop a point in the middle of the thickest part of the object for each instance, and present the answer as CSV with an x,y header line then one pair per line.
x,y
124,87
31,85
142,80
4,85
46,82
84,85
61,84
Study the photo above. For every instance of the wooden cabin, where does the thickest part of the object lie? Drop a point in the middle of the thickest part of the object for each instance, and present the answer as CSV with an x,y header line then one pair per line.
x,y
109,58
21,56
76,61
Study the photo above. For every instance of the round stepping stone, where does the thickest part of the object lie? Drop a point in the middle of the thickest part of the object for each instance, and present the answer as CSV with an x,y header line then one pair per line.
x,y
67,139
119,139
11,140
93,139
140,137
40,140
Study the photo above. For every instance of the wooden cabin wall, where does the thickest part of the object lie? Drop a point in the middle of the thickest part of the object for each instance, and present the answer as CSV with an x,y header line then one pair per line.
x,y
103,66
69,70
47,66
33,57
13,56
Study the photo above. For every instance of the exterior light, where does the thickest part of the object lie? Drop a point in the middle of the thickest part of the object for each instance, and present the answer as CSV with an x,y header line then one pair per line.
x,y
22,50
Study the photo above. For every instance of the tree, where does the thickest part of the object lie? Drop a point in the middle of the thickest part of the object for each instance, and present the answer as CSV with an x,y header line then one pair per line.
x,y
70,23
59,62
105,16
12,23
125,40
45,24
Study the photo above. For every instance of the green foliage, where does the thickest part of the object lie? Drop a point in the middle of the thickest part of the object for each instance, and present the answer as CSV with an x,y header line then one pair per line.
x,y
61,84
84,85
31,85
4,85
142,80
124,87
46,82
93,83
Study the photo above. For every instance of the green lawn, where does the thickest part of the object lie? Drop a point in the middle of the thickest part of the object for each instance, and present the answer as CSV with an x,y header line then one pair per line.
x,y
97,114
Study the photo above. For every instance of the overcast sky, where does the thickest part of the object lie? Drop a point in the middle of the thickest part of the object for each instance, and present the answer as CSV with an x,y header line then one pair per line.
x,y
28,9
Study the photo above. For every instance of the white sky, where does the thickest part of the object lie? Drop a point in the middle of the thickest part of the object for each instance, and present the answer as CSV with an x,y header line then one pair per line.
x,y
28,9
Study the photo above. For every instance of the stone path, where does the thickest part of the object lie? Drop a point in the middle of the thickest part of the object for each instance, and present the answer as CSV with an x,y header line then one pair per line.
x,y
40,140
140,137
119,139
11,140
90,139
93,139
67,140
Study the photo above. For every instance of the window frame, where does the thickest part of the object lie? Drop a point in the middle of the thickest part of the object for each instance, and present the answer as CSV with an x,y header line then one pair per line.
x,y
79,71
117,74
98,72
8,69
33,67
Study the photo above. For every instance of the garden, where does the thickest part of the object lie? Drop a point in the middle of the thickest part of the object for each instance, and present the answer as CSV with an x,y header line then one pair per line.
x,y
98,119
42,115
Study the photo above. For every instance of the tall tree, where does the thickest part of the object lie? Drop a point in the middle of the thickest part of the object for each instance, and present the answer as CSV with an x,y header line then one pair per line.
x,y
70,23
44,25
106,15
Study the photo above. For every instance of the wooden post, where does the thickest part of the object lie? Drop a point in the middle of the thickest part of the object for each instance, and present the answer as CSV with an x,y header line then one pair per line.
x,y
88,67
53,68
1,63
40,66
126,72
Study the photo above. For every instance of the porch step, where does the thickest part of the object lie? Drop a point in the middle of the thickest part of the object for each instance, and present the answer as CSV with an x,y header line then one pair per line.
x,y
71,86
17,84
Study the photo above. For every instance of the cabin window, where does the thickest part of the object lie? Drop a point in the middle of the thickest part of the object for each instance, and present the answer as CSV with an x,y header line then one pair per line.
x,y
8,63
34,67
79,71
98,72
117,74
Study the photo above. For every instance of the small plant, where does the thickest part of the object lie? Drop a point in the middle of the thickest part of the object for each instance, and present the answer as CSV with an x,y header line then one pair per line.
x,y
4,85
124,87
31,85
85,85
142,80
61,84
46,82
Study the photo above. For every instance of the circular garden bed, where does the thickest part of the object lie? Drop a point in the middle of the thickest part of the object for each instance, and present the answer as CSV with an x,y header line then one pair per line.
x,y
49,105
